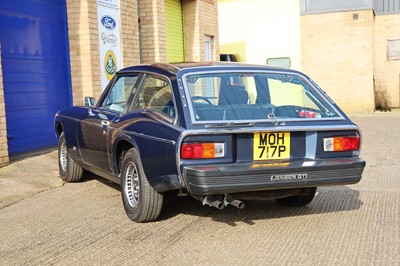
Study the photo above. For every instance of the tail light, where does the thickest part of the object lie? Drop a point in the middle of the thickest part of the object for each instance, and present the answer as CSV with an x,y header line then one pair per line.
x,y
202,150
336,144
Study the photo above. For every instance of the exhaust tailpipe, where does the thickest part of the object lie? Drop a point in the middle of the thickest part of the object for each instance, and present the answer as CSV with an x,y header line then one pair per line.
x,y
234,202
209,200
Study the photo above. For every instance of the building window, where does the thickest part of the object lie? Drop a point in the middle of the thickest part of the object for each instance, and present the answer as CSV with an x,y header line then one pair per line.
x,y
279,61
393,49
208,48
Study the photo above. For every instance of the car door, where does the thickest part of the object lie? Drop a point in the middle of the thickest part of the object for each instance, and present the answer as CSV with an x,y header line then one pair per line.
x,y
97,126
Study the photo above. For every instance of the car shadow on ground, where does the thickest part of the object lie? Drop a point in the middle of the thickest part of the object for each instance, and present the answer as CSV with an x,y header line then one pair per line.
x,y
88,176
327,200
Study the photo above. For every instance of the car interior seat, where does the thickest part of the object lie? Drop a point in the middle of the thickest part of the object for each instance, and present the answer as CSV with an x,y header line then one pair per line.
x,y
232,94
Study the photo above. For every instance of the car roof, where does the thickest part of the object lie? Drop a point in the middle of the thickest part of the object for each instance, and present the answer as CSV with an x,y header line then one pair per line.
x,y
173,69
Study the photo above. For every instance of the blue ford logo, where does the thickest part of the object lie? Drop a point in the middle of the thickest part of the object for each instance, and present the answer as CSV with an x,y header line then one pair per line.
x,y
108,22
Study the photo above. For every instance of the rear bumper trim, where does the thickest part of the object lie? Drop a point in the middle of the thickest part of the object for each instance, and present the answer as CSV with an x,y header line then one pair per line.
x,y
232,178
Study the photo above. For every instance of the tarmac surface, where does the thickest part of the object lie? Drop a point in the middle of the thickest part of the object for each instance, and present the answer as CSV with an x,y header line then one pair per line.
x,y
46,222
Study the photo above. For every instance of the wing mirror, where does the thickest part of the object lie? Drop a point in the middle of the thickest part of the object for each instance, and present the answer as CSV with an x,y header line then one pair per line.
x,y
90,101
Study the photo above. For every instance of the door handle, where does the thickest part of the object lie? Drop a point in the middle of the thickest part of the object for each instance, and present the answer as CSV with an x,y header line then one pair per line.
x,y
105,123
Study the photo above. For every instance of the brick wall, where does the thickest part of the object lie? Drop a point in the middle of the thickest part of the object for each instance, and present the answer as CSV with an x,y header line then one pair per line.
x,y
337,52
386,73
4,160
201,19
84,46
152,23
129,32
84,49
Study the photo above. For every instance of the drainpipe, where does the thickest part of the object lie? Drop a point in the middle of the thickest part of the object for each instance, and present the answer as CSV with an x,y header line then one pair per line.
x,y
140,33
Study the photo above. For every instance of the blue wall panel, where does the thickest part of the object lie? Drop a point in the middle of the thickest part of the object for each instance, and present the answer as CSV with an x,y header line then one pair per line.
x,y
34,49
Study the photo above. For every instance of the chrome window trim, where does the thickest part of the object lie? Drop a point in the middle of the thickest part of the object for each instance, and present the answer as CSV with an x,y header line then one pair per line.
x,y
141,135
310,82
278,128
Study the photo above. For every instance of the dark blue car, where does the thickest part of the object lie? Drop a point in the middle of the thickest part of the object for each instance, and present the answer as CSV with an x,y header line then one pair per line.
x,y
222,133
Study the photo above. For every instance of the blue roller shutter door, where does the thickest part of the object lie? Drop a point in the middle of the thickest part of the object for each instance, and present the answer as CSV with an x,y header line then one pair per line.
x,y
34,50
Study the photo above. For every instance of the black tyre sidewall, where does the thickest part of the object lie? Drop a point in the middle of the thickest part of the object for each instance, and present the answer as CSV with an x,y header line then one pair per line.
x,y
131,212
73,172
63,174
141,212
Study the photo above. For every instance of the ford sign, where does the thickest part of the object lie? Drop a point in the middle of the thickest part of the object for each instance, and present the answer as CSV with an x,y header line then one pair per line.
x,y
108,22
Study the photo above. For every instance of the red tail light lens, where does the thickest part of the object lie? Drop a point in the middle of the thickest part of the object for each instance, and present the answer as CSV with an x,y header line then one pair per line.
x,y
335,144
202,150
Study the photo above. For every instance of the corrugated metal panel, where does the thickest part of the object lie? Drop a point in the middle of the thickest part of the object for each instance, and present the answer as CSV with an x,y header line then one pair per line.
x,y
326,6
383,7
36,75
174,31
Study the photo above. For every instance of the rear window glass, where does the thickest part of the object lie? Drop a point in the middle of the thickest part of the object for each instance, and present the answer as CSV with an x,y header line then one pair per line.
x,y
254,96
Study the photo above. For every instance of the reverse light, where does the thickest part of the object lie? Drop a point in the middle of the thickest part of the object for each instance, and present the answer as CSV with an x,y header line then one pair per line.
x,y
202,150
335,144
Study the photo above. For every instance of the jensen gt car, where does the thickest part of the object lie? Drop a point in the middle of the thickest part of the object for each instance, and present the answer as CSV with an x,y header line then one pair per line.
x,y
222,133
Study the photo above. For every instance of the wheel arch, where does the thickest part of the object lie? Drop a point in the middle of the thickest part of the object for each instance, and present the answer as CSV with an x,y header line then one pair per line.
x,y
159,182
121,146
58,128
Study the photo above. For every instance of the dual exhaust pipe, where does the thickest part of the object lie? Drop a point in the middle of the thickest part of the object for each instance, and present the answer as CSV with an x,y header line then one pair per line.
x,y
228,200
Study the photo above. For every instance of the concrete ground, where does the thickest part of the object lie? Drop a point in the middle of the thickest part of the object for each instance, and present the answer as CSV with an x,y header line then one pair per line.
x,y
43,222
28,176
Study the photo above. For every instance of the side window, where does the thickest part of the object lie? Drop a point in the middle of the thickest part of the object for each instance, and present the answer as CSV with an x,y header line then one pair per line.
x,y
119,93
156,94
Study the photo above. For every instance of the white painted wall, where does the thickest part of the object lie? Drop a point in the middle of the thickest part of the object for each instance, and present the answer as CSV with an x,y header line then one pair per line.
x,y
260,29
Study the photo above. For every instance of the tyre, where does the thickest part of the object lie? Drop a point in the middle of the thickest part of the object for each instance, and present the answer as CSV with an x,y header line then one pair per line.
x,y
141,202
70,171
299,200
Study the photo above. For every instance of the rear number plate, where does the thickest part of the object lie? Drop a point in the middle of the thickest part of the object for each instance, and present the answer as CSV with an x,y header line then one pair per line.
x,y
271,145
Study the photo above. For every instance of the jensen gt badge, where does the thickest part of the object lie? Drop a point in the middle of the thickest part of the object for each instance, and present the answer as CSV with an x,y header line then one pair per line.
x,y
288,177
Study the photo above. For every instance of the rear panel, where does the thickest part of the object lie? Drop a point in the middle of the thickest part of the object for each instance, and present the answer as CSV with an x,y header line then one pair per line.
x,y
270,147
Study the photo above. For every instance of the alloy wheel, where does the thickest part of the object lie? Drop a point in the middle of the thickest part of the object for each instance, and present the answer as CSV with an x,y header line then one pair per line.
x,y
131,185
63,156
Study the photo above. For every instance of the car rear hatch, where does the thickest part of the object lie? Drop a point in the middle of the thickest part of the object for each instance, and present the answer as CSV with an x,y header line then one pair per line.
x,y
252,129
